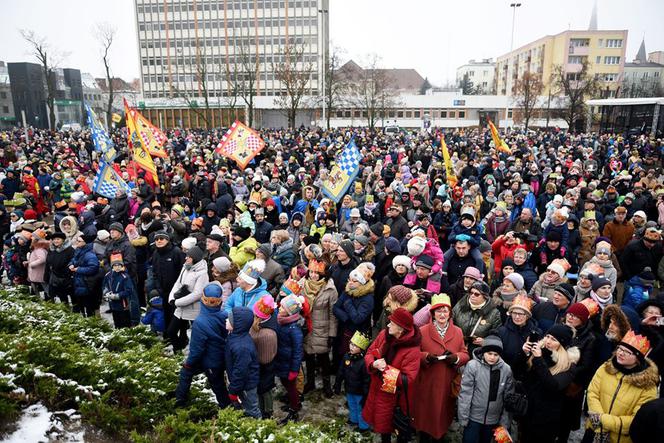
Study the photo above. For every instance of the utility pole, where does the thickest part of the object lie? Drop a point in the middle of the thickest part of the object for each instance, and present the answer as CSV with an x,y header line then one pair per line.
x,y
507,90
324,15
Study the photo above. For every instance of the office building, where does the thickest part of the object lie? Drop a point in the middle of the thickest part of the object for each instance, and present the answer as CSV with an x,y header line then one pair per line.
x,y
7,117
196,48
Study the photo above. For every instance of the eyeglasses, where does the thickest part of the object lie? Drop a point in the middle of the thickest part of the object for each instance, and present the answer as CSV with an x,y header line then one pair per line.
x,y
518,314
476,294
624,351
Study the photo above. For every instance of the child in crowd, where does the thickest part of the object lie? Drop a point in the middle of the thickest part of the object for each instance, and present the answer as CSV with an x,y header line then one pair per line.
x,y
484,384
155,315
120,293
466,229
353,373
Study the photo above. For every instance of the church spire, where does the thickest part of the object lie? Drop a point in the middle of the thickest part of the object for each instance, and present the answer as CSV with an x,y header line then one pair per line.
x,y
641,55
593,18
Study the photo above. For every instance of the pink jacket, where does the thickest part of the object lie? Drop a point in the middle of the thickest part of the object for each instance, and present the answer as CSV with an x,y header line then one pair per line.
x,y
433,284
37,265
432,249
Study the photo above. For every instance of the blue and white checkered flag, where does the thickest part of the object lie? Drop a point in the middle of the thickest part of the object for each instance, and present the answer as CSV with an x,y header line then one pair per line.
x,y
343,172
107,182
349,159
102,141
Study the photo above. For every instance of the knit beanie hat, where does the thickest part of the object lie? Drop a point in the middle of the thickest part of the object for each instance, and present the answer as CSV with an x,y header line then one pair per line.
x,y
252,270
598,282
265,249
516,279
221,264
103,235
401,294
196,254
566,290
563,333
403,318
188,243
242,232
357,274
212,294
116,227
580,311
392,245
557,268
647,277
416,246
292,304
264,307
347,247
492,343
377,229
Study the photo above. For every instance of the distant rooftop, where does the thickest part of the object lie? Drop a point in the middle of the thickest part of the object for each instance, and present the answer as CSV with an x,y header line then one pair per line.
x,y
402,79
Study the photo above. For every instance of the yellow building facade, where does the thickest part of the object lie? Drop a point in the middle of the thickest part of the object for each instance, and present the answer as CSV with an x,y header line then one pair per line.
x,y
603,50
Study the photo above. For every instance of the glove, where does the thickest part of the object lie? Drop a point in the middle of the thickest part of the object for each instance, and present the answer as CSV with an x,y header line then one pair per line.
x,y
112,296
292,375
172,303
563,250
451,358
233,398
184,290
430,358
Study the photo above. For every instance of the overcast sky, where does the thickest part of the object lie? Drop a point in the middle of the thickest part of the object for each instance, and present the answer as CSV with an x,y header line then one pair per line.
x,y
432,36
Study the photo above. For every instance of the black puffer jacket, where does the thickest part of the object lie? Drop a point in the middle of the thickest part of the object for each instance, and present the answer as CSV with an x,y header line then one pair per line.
x,y
513,338
353,373
166,266
119,211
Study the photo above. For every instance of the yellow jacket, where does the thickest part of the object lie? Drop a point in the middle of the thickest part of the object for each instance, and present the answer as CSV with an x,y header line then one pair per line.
x,y
618,397
245,251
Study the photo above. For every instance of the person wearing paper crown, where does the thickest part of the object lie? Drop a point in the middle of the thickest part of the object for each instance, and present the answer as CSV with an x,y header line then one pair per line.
x,y
321,294
443,352
120,293
250,286
516,330
264,333
393,362
619,388
290,350
353,374
206,348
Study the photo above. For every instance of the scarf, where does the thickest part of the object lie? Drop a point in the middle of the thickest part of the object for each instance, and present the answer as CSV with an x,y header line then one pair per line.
x,y
284,319
440,329
602,302
476,307
369,207
313,288
508,296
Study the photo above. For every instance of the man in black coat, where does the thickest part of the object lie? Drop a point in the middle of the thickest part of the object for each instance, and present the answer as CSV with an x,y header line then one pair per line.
x,y
119,243
397,223
224,200
167,261
460,260
642,253
58,276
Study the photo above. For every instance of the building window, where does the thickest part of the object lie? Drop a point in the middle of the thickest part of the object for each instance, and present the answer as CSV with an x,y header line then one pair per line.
x,y
598,59
614,43
3,94
579,42
656,74
610,77
443,114
409,114
399,114
452,114
611,60
5,109
416,114
462,114
575,59
509,114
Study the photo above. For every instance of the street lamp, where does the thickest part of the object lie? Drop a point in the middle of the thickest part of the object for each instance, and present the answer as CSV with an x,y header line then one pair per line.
x,y
324,42
507,90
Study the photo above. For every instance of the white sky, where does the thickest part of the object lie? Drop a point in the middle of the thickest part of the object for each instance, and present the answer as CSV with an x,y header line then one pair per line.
x,y
432,36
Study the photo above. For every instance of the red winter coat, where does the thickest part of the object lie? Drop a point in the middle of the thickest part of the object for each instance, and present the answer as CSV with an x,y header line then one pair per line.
x,y
501,250
435,407
379,407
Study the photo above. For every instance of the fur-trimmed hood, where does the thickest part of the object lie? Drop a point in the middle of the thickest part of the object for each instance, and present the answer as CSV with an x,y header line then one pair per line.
x,y
614,311
646,379
574,354
229,275
361,291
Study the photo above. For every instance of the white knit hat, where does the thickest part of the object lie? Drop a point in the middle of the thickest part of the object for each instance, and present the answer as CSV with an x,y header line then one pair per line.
x,y
222,264
356,274
401,260
188,243
416,246
557,269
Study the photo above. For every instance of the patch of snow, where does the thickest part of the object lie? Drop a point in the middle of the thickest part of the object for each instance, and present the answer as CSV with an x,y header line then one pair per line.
x,y
33,425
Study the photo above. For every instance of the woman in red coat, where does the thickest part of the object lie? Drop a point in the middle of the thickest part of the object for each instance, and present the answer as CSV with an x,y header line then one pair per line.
x,y
397,346
443,352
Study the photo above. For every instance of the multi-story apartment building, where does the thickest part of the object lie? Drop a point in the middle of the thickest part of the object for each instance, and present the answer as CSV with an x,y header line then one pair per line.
x,y
480,73
603,50
643,76
188,47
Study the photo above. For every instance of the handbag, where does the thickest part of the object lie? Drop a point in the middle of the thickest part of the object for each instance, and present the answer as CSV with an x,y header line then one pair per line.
x,y
403,422
516,402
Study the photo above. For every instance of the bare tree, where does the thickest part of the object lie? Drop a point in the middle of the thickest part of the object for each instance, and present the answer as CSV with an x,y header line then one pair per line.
x,y
574,88
105,33
527,91
242,79
371,91
201,77
294,74
336,85
48,58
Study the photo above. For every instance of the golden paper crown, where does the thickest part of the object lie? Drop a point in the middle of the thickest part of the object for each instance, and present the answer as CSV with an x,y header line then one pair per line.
x,y
522,302
591,305
636,342
317,266
562,262
440,300
360,340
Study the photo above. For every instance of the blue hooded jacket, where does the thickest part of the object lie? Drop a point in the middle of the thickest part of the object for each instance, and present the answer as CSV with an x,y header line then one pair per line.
x,y
208,339
155,316
87,264
241,358
289,350
247,299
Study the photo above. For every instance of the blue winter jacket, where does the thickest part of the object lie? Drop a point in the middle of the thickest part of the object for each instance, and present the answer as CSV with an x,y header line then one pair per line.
x,y
247,299
290,349
474,232
155,318
354,313
208,339
122,284
87,224
241,358
87,264
563,230
635,293
301,206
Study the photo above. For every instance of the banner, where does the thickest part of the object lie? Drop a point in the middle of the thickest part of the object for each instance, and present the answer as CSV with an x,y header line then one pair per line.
x,y
241,143
151,136
449,168
343,172
108,182
100,138
140,154
498,142
116,118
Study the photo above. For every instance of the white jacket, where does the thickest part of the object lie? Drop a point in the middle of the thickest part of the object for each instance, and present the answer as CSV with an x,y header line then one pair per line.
x,y
195,278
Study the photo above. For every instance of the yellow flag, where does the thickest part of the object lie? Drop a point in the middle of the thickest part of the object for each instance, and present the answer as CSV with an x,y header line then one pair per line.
x,y
497,141
116,117
449,169
141,156
150,135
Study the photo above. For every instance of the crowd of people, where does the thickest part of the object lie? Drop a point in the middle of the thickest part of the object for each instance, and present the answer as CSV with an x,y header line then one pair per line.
x,y
520,293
